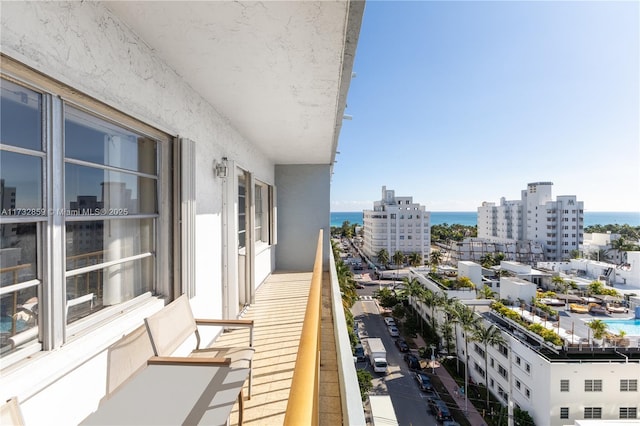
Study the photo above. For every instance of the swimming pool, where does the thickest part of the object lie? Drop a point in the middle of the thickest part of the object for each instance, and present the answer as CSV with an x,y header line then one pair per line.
x,y
629,326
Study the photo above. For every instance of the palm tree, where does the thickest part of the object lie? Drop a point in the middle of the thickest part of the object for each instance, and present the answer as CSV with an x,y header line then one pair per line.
x,y
398,259
383,257
429,299
451,311
487,260
487,336
435,258
447,334
468,321
486,293
414,290
598,327
415,259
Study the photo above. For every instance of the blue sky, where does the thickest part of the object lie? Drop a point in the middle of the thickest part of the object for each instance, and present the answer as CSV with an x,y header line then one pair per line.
x,y
456,103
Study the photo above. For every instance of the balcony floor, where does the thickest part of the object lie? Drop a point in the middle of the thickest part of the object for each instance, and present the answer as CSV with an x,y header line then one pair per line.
x,y
278,315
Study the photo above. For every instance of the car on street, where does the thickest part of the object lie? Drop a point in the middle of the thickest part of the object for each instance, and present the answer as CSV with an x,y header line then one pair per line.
x,y
402,345
389,321
424,382
412,361
439,409
393,331
358,352
359,286
450,423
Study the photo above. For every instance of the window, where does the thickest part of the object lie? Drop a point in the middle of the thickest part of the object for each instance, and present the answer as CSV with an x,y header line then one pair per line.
x,y
628,385
527,393
518,384
502,371
593,385
564,412
628,412
592,412
564,385
518,360
527,368
84,229
503,350
263,200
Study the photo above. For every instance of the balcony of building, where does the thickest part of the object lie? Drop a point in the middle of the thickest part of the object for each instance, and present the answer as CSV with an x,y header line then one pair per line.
x,y
279,316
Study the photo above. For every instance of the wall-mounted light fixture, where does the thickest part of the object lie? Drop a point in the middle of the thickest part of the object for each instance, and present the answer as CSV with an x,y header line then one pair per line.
x,y
220,169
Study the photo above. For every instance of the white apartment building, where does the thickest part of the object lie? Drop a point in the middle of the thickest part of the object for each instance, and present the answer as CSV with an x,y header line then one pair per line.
x,y
204,132
396,224
556,385
557,225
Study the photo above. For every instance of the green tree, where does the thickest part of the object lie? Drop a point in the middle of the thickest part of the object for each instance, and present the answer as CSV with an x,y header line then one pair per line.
x,y
364,381
415,259
485,292
598,327
347,230
446,330
522,418
435,258
468,320
386,297
487,336
383,257
398,258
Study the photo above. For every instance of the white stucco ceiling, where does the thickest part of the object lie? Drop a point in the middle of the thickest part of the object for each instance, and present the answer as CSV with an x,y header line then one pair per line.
x,y
277,70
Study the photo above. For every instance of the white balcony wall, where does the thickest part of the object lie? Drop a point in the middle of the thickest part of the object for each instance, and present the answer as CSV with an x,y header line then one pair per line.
x,y
83,45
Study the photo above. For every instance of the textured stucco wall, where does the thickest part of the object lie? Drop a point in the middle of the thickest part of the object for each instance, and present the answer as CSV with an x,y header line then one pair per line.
x,y
83,45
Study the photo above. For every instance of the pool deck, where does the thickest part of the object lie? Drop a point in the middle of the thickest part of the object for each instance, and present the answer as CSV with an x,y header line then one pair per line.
x,y
572,323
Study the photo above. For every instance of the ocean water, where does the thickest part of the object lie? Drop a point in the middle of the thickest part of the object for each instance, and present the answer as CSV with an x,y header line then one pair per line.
x,y
471,218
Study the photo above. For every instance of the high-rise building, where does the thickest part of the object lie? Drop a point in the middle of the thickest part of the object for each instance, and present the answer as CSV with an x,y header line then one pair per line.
x,y
396,224
557,226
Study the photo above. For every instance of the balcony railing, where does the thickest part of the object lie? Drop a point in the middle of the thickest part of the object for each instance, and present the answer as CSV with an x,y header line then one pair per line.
x,y
303,405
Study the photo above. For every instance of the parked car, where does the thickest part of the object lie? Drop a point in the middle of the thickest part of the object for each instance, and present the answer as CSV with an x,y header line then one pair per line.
x,y
450,423
412,361
439,410
389,321
358,352
402,345
393,331
424,382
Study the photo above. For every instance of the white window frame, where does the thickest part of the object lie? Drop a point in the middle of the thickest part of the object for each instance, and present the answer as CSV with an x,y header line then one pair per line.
x,y
53,330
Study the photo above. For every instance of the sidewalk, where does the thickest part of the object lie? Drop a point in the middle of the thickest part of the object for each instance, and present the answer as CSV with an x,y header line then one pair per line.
x,y
472,415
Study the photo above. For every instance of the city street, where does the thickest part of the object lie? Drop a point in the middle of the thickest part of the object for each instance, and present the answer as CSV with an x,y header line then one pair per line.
x,y
408,401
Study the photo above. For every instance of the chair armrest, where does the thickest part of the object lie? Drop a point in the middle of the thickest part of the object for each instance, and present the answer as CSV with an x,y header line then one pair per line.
x,y
187,361
225,323
231,323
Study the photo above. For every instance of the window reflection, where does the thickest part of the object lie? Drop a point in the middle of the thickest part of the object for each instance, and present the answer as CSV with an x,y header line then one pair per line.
x,y
18,318
88,138
90,190
20,123
20,184
97,241
18,253
91,291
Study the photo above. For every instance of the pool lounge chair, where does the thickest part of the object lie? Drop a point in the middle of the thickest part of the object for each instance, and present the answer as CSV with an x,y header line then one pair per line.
x,y
579,309
617,309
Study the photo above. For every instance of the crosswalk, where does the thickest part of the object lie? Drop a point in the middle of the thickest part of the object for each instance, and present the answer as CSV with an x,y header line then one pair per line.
x,y
366,297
